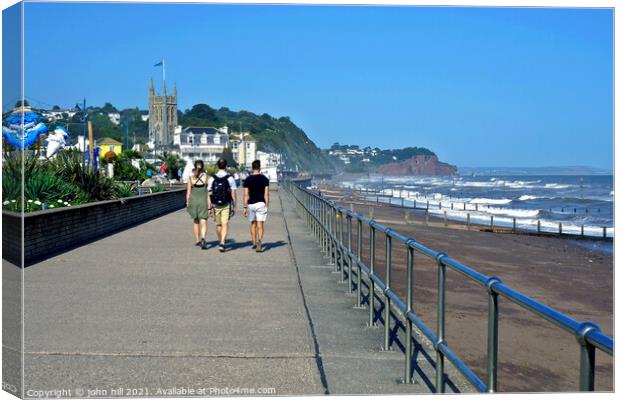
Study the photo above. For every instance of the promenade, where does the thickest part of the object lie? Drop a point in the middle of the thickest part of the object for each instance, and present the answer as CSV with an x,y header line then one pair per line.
x,y
145,311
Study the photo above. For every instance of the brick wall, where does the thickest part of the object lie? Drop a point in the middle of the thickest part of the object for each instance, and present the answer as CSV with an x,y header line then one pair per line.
x,y
53,231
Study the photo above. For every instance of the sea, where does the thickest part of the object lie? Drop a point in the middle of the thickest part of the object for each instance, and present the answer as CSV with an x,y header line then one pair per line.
x,y
577,202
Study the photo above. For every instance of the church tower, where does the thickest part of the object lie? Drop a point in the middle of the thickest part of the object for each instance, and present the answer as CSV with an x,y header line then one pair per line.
x,y
163,116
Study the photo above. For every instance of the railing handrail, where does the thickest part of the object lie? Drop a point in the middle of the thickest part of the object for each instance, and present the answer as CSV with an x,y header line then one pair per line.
x,y
588,334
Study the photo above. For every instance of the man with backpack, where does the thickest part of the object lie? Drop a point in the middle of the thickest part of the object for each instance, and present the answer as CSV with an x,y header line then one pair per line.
x,y
222,198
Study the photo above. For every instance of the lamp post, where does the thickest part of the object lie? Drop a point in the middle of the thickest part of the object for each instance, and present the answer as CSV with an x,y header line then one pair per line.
x,y
126,123
84,120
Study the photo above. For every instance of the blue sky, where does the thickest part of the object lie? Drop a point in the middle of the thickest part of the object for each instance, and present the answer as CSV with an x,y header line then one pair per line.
x,y
479,86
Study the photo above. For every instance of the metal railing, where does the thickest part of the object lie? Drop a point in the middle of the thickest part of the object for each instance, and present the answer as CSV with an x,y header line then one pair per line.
x,y
325,220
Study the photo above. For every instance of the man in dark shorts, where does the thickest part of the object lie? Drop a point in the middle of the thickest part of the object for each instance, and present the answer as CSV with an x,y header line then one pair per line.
x,y
256,203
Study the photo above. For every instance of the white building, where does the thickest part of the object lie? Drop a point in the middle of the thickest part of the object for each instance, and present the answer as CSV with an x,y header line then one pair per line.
x,y
202,143
115,118
243,147
269,164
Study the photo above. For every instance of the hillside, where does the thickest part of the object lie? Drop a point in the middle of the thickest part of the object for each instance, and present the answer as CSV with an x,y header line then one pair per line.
x,y
405,161
279,135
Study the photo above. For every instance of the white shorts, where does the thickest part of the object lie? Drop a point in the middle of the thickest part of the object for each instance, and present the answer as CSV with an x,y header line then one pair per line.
x,y
257,212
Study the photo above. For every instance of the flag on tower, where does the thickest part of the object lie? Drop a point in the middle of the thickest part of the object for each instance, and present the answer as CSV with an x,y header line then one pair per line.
x,y
159,64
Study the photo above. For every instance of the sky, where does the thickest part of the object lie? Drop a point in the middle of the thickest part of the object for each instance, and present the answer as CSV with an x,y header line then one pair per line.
x,y
478,86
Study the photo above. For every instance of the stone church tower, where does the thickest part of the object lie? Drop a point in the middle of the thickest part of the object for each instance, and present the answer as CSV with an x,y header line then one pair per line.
x,y
160,107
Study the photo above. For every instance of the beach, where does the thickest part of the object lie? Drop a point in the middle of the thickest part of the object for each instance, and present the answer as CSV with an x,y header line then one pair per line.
x,y
534,355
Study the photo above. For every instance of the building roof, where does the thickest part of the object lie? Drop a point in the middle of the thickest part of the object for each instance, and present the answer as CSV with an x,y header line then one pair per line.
x,y
246,137
198,130
109,141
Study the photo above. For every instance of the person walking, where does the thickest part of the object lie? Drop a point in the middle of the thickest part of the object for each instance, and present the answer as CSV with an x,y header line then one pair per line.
x,y
222,199
197,202
256,204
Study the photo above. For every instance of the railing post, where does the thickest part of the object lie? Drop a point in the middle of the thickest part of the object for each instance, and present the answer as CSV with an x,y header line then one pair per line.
x,y
323,228
341,244
371,282
440,386
388,301
492,335
358,299
408,323
349,258
587,356
332,243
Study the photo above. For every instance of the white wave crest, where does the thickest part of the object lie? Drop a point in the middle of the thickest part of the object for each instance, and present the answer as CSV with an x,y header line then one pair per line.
x,y
489,201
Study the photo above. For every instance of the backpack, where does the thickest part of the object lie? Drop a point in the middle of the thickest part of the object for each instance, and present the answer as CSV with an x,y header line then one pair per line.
x,y
220,190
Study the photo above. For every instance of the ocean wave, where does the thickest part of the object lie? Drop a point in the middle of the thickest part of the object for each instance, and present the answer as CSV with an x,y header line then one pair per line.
x,y
489,201
527,197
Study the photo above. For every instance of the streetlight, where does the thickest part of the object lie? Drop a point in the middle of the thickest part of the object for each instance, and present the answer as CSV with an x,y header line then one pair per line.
x,y
84,120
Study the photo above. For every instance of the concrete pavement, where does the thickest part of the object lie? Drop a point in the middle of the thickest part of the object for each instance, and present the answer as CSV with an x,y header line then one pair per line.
x,y
146,312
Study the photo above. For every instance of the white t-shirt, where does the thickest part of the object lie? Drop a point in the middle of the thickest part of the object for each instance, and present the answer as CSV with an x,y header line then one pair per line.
x,y
220,174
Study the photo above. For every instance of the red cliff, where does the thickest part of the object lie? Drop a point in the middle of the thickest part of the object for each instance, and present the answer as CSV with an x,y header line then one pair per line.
x,y
418,165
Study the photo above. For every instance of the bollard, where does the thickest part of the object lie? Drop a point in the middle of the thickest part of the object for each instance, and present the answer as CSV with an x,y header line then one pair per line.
x,y
402,202
560,228
581,229
426,217
468,216
476,206
492,223
464,208
604,232
452,206
445,218
514,224
414,205
371,212
538,226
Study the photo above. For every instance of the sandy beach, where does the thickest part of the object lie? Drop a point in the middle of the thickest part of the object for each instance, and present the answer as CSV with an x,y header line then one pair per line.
x,y
534,355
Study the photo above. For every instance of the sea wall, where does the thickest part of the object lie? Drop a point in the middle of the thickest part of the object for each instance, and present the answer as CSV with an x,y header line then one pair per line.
x,y
50,232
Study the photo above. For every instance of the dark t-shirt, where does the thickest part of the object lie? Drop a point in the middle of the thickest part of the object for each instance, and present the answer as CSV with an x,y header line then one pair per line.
x,y
256,185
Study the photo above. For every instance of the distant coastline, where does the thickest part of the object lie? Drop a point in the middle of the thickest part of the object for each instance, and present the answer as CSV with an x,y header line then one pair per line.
x,y
540,171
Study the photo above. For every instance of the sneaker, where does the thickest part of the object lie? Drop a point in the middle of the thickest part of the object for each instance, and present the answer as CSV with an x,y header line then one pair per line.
x,y
259,247
203,245
221,248
198,243
254,246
